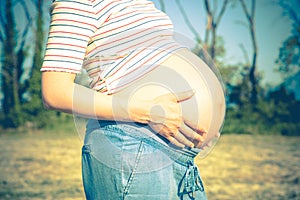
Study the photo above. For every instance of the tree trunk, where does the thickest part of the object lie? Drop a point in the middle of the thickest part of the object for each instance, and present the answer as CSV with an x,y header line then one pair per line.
x,y
11,101
34,88
188,23
250,15
252,73
13,42
213,20
162,5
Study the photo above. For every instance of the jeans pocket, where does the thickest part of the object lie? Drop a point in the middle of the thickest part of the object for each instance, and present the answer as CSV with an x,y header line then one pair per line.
x,y
134,168
99,180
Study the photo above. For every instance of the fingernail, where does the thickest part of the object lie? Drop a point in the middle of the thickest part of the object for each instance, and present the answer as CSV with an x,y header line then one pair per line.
x,y
201,132
199,138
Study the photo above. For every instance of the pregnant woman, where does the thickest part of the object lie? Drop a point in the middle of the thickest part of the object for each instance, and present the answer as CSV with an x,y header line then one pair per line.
x,y
152,104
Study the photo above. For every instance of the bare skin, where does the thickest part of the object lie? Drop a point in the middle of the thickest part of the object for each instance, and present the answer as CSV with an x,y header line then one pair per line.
x,y
61,93
179,107
202,114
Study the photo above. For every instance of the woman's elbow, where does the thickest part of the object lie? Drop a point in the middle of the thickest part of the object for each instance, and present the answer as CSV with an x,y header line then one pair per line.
x,y
48,101
47,105
57,90
58,101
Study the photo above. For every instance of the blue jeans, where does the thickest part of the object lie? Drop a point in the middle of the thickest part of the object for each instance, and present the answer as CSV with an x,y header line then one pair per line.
x,y
121,163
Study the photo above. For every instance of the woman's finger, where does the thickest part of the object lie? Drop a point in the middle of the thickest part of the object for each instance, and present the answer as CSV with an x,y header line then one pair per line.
x,y
175,142
182,96
183,140
179,96
196,128
200,144
191,135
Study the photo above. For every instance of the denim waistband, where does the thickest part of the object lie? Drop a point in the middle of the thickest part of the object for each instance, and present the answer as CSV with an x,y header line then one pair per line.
x,y
190,182
181,156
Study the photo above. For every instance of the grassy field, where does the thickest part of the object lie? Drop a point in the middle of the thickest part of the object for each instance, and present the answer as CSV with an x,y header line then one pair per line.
x,y
46,165
253,167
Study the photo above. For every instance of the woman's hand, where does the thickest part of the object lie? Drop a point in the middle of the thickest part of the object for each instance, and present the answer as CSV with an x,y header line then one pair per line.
x,y
163,113
164,116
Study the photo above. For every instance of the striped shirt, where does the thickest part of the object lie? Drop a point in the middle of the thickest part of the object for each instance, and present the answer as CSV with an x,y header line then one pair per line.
x,y
115,41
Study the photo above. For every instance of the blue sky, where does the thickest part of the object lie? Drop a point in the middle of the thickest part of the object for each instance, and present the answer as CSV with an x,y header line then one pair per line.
x,y
271,28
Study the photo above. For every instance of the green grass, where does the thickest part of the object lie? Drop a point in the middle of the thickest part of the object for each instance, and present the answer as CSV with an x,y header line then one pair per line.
x,y
46,165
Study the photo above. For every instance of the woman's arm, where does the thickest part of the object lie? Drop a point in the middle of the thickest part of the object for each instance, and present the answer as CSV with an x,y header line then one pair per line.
x,y
61,93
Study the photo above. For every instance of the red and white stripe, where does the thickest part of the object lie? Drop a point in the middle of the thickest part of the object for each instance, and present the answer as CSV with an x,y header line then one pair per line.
x,y
115,41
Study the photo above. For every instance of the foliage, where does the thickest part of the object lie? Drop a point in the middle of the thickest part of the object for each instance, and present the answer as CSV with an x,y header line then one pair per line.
x,y
34,107
276,113
11,102
250,16
22,103
273,111
289,54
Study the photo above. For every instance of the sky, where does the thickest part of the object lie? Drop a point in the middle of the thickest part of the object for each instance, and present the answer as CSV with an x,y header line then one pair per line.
x,y
271,29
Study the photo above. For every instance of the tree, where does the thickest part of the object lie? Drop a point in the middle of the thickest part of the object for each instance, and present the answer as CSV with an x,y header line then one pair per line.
x,y
162,5
213,20
250,16
34,106
22,96
188,23
212,43
12,70
289,53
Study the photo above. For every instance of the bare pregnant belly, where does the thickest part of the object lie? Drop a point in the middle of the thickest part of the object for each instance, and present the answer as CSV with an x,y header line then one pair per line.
x,y
184,71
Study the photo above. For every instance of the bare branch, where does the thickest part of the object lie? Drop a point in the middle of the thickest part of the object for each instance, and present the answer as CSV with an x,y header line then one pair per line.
x,y
242,47
2,24
253,9
245,10
28,24
1,37
214,17
162,5
209,24
242,23
207,7
252,70
225,3
27,14
187,21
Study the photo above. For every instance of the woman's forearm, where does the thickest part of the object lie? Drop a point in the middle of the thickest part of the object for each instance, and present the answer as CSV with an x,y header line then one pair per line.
x,y
61,93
